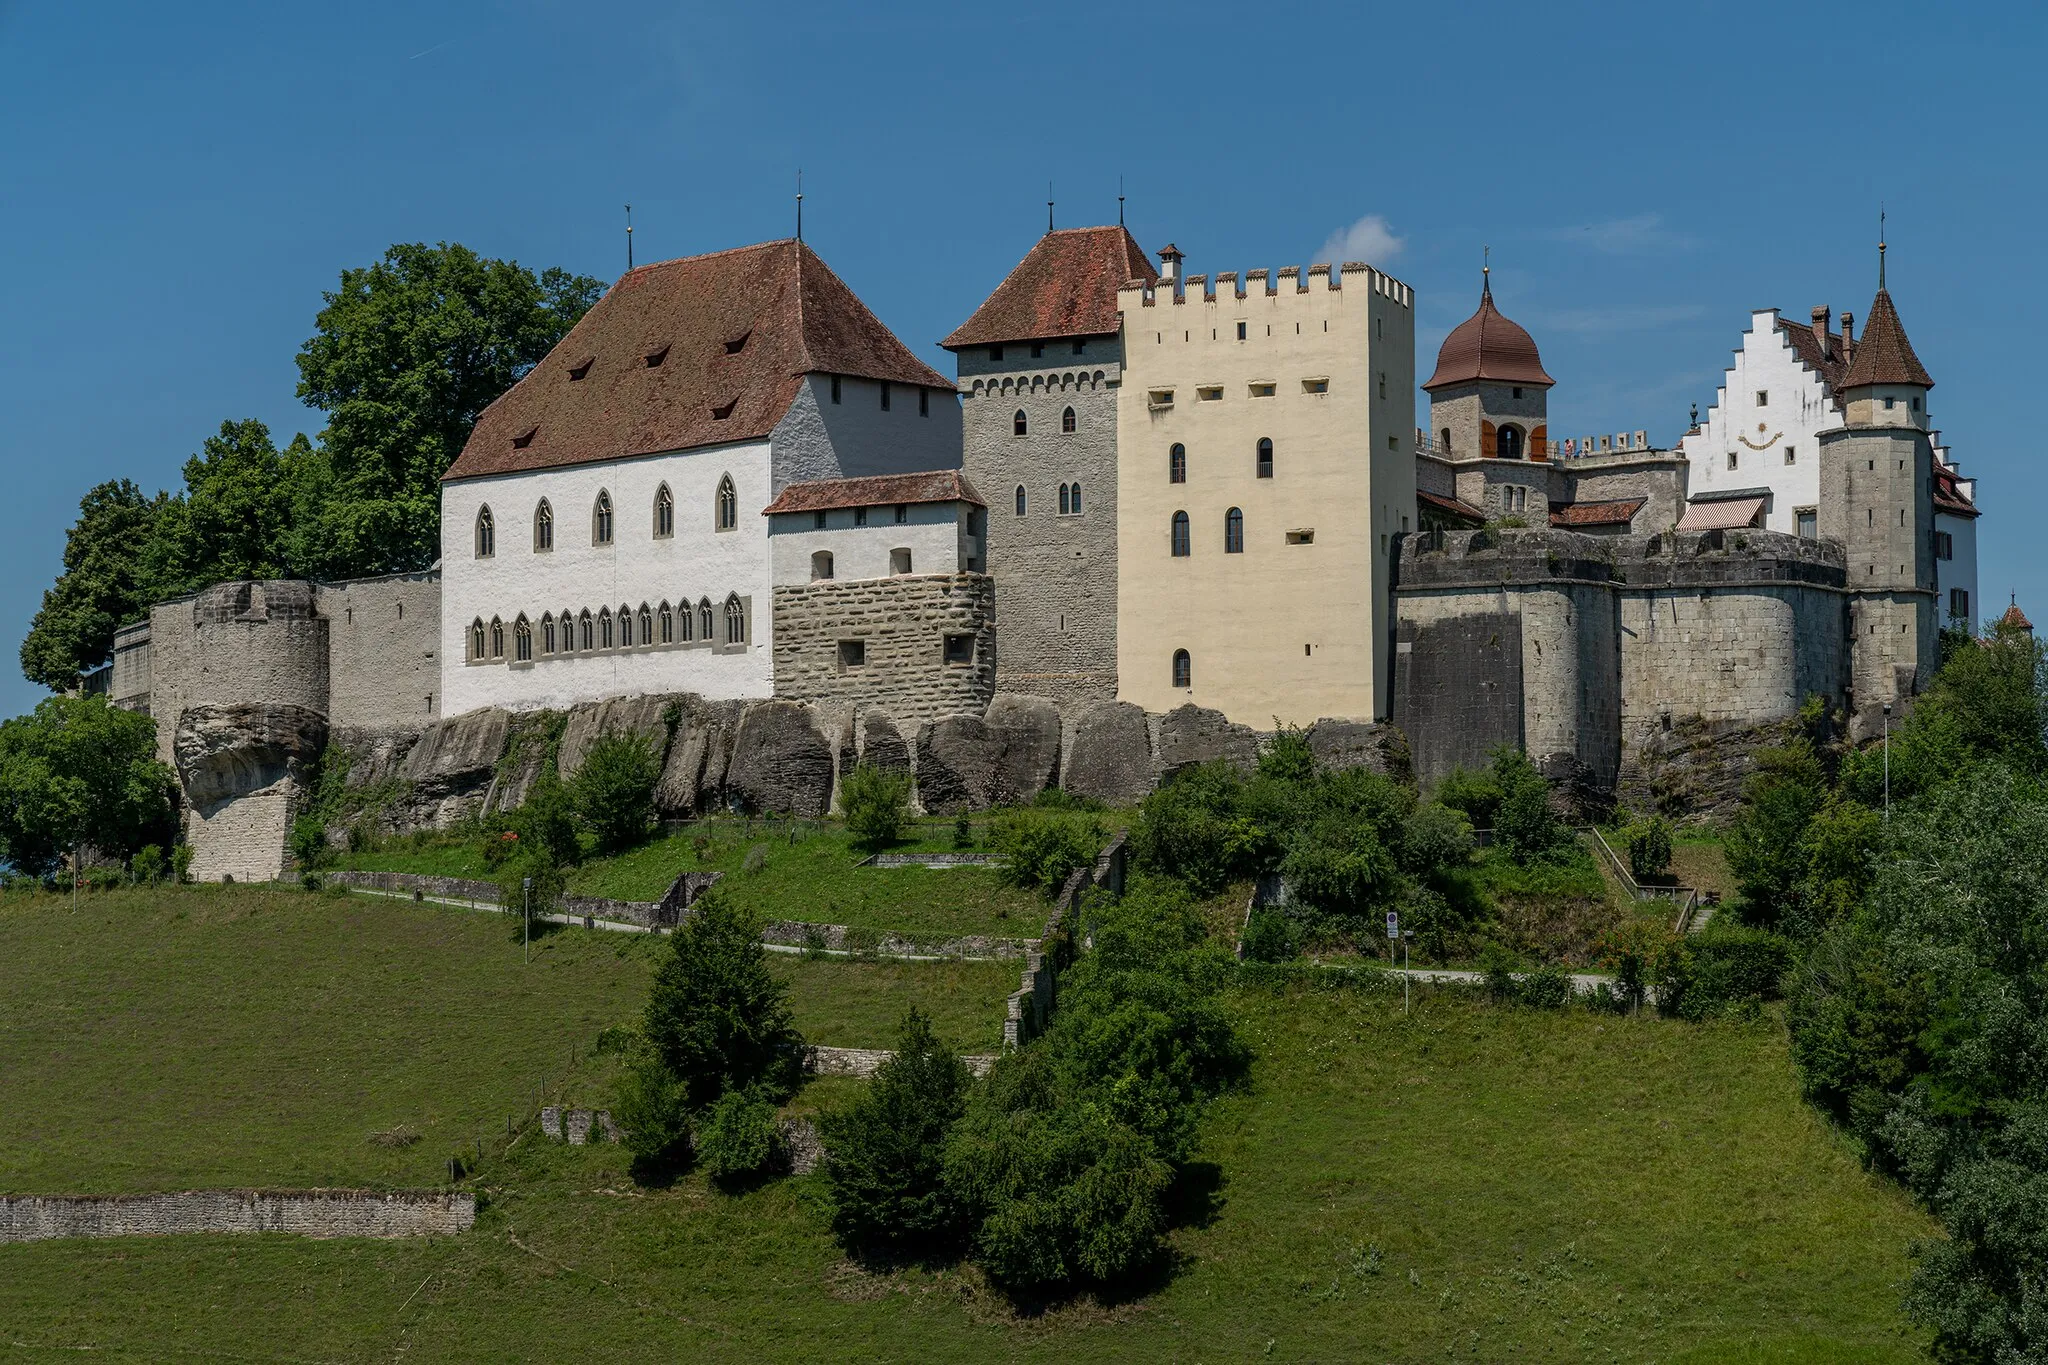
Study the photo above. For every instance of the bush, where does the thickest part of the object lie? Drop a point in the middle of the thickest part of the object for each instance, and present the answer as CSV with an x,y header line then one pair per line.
x,y
1648,838
614,789
741,1137
885,1152
181,862
1436,841
1269,937
1524,823
530,865
308,843
1639,953
963,832
1725,969
1339,866
1287,757
547,820
1548,987
716,1018
148,864
1476,794
1040,848
1500,964
876,802
653,1113
1198,828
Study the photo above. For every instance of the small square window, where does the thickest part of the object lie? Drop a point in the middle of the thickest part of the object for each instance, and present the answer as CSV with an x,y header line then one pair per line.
x,y
1791,455
1318,385
1210,393
1888,404
1240,331
1160,398
852,653
1763,398
960,650
818,520
995,353
1305,536
1262,390
902,513
1732,458
1383,387
860,516
1081,348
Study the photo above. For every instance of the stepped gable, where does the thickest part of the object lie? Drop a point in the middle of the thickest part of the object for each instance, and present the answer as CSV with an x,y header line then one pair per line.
x,y
699,351
1883,355
1064,287
1819,349
875,490
1488,346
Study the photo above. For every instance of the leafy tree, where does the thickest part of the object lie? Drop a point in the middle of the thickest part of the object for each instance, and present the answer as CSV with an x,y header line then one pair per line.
x,y
885,1152
1269,937
1041,847
653,1112
876,802
741,1137
1200,827
614,789
1523,822
78,771
233,519
546,820
103,587
1287,756
1648,839
1436,842
406,355
1766,839
1339,866
716,1018
1476,794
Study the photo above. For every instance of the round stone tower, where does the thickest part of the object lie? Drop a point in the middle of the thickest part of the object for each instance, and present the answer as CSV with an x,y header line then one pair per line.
x,y
1489,396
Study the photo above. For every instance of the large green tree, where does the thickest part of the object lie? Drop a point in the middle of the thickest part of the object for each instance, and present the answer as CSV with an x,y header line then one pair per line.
x,y
103,585
406,355
78,771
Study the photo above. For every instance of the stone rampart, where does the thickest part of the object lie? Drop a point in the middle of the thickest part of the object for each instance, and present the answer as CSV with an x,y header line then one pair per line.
x,y
303,1213
918,646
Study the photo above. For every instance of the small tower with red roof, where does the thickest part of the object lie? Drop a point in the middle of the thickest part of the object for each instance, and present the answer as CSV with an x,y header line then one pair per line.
x,y
1489,396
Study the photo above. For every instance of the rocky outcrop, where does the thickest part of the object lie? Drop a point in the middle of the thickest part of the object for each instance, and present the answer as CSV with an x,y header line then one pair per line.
x,y
1694,770
1356,744
645,716
879,744
956,764
781,761
223,752
699,753
1189,735
1109,754
449,770
1028,761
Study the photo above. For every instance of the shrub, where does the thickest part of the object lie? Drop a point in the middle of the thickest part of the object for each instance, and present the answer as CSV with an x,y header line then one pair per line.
x,y
653,1113
1436,841
1648,837
181,862
310,880
614,789
1339,866
148,864
963,832
308,842
1198,828
547,820
1499,964
535,865
740,1137
1040,848
1548,987
1476,794
716,1018
876,802
1524,823
1269,937
1287,757
1725,969
885,1152
1639,953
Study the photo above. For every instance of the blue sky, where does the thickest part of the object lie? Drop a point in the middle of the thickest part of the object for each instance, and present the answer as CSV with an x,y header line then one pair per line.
x,y
182,182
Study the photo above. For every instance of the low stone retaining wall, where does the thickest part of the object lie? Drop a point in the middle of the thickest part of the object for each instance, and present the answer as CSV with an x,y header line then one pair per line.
x,y
865,1061
664,913
304,1213
843,938
578,1127
932,860
1031,1004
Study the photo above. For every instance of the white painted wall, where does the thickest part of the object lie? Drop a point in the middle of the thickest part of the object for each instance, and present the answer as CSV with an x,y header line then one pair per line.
x,y
820,439
1798,408
933,532
698,561
1961,571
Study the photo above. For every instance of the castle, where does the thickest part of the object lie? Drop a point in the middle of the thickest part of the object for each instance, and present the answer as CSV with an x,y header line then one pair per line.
x,y
1153,514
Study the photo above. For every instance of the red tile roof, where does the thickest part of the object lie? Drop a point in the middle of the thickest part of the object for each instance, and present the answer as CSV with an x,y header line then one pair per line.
x,y
1621,512
2015,619
1488,346
1064,287
692,352
1883,355
1827,359
1452,506
879,490
1948,492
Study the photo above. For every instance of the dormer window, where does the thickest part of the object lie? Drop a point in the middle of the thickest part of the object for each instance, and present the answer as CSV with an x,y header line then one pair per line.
x,y
655,358
581,368
524,439
738,343
723,410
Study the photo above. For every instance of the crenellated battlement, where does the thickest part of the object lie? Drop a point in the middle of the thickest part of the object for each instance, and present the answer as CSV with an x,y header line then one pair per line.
x,y
1436,560
1264,282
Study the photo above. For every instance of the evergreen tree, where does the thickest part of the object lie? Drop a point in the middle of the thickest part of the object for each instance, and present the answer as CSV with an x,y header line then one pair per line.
x,y
716,1018
886,1151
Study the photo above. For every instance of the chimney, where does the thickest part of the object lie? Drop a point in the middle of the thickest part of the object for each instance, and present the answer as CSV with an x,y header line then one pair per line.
x,y
1822,319
1848,333
1169,263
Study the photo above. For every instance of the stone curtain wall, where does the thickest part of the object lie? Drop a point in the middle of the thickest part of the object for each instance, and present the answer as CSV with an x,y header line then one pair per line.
x,y
304,1213
383,661
901,624
1032,1003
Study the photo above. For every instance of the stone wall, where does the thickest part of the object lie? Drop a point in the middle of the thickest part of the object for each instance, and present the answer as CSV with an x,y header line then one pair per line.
x,y
383,651
304,1213
900,626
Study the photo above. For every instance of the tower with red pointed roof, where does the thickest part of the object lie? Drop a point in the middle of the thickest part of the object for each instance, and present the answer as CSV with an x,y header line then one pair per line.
x,y
1877,500
1489,396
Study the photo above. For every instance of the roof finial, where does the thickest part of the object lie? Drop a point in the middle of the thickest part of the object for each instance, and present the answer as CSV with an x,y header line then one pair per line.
x,y
1048,206
1486,275
1119,201
1880,245
629,236
799,203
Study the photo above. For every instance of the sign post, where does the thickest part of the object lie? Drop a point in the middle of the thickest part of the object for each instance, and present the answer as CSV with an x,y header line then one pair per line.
x,y
526,927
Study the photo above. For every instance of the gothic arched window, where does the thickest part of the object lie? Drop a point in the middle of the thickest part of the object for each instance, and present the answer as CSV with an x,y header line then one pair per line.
x,y
728,504
497,638
543,527
685,621
1181,547
1177,464
704,620
1077,499
646,625
587,639
1022,502
1233,531
1509,443
1018,425
604,627
1063,500
486,534
735,621
1265,469
664,513
625,627
1183,669
476,638
1067,422
522,640
601,520
668,625
547,632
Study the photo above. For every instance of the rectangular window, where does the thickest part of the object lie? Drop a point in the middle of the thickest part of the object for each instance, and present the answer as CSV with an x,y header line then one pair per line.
x,y
1081,348
1317,385
1240,331
835,388
1809,524
902,513
1037,350
1305,536
1791,455
1518,392
1731,459
1888,404
860,516
852,654
1209,393
1262,390
1763,398
818,520
960,650
1160,398
1959,604
924,402
1944,545
995,353
1383,385
885,395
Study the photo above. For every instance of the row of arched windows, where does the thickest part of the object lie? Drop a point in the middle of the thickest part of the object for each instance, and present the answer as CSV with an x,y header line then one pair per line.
x,y
1177,461
725,517
1038,383
629,628
1070,499
1233,533
1020,425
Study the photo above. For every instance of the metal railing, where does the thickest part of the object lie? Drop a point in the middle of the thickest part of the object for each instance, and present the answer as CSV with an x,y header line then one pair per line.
x,y
1686,898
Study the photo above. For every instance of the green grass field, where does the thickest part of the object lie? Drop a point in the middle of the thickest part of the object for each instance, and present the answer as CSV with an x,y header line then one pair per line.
x,y
1466,1183
256,1036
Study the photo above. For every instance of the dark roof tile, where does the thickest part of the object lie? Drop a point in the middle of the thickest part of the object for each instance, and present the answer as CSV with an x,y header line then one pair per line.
x,y
878,490
1064,287
1883,355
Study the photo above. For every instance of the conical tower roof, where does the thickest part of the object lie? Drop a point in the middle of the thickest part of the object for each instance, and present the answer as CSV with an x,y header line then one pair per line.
x,y
1883,355
1488,345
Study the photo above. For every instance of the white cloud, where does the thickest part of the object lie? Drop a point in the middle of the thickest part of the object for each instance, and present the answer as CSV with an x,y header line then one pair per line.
x,y
1623,236
1369,239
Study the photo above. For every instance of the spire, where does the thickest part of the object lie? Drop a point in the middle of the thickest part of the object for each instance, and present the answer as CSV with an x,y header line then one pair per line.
x,y
1486,275
1880,248
1883,355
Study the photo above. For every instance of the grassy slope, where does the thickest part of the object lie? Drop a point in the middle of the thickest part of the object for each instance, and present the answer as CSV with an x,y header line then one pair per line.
x,y
235,1036
1542,1187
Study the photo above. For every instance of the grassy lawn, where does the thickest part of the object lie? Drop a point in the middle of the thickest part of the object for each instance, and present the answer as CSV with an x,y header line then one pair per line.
x,y
1545,1187
259,1036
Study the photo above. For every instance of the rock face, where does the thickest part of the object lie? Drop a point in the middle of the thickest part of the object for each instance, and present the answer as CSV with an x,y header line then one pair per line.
x,y
1192,734
956,764
693,779
781,761
1694,770
1110,755
880,744
642,715
1356,744
451,766
1029,760
223,752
